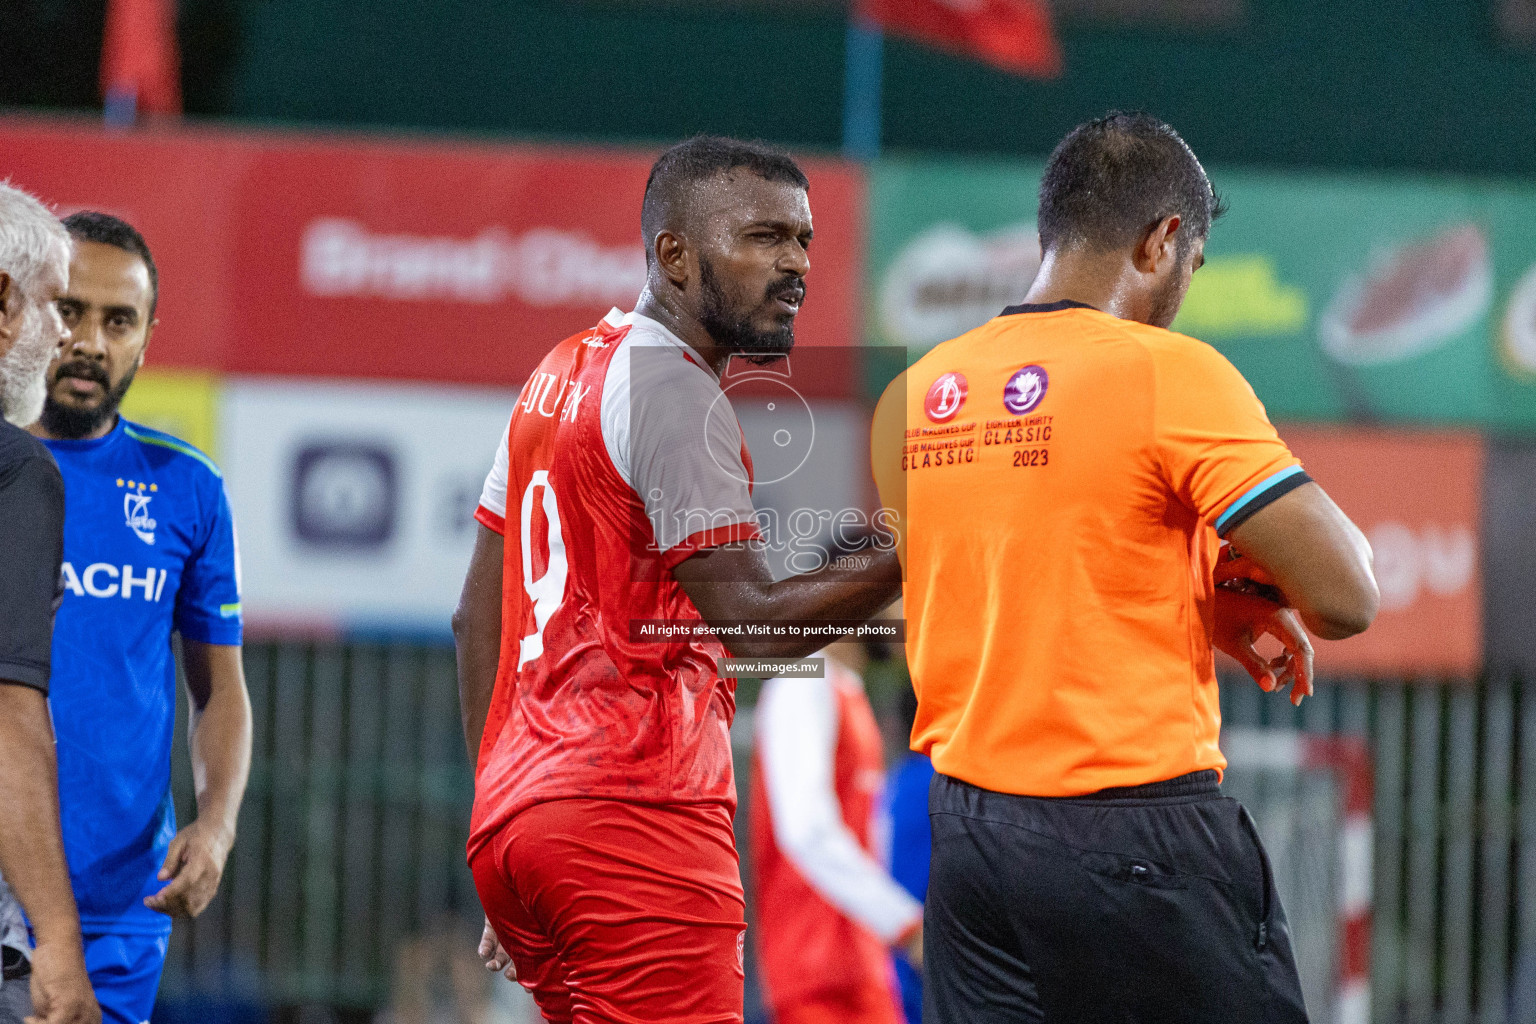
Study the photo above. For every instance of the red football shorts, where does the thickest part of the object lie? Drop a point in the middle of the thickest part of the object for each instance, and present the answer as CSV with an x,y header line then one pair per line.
x,y
617,913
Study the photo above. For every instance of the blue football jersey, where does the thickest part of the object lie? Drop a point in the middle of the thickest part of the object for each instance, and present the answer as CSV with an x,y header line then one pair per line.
x,y
149,547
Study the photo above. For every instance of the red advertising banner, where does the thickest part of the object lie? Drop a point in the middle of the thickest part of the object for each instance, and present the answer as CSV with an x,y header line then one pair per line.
x,y
1418,497
349,257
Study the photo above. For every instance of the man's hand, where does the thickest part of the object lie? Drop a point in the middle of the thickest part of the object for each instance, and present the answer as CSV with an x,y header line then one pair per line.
x,y
496,958
193,865
1241,618
61,990
1235,568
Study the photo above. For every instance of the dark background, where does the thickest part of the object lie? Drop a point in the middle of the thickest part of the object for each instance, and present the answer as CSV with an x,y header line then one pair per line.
x,y
1439,85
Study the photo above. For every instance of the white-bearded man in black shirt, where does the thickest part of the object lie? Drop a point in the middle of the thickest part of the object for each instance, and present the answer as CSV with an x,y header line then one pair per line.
x,y
53,987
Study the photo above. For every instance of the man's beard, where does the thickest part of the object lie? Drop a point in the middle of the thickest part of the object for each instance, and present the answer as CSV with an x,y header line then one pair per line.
x,y
733,330
24,370
72,423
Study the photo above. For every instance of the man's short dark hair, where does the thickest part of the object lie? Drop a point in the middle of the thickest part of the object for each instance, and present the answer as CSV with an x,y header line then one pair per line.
x,y
698,159
91,226
1112,179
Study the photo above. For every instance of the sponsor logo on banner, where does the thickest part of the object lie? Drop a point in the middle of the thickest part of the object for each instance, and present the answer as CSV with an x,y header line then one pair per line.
x,y
356,501
1519,333
1428,560
1411,300
1418,498
289,254
1242,294
542,267
344,495
1417,305
949,280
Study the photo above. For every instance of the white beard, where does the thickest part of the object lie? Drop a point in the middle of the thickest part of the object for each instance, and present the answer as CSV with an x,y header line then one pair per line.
x,y
24,370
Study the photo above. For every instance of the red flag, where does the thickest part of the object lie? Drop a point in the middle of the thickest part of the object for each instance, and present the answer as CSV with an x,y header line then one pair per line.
x,y
1014,35
140,64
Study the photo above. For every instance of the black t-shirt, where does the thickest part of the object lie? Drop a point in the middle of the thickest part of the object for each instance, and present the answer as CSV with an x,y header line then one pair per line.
x,y
31,555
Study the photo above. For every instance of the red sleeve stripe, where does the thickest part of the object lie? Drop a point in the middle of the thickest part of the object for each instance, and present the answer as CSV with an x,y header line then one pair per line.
x,y
711,538
491,520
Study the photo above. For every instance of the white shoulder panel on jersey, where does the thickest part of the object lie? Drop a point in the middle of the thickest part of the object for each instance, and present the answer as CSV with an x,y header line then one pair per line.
x,y
672,435
493,497
613,410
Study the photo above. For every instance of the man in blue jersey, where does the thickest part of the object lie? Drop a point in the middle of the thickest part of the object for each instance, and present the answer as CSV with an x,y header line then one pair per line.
x,y
149,549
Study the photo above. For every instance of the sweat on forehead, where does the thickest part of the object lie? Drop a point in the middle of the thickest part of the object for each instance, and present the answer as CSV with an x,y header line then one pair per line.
x,y
690,170
733,199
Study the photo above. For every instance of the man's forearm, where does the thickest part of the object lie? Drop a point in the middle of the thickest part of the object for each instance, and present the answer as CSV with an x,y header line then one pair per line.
x,y
220,744
727,585
477,637
31,844
837,593
818,602
219,733
1318,558
476,685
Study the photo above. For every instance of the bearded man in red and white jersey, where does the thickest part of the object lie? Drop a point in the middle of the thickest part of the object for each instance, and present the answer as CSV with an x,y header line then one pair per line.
x,y
601,839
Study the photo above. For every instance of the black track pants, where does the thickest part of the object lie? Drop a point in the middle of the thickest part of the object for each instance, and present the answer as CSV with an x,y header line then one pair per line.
x,y
1134,906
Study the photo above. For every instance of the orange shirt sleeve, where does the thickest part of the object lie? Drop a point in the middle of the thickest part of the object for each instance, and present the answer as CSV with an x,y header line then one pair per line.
x,y
1219,452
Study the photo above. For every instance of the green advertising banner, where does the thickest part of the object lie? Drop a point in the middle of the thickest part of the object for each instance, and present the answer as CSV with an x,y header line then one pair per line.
x,y
1340,298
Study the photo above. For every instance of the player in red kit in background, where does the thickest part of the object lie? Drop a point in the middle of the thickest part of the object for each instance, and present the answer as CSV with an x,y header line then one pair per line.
x,y
827,911
601,839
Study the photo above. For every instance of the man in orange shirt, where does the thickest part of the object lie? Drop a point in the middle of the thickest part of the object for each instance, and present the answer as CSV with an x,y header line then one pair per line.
x,y
1061,477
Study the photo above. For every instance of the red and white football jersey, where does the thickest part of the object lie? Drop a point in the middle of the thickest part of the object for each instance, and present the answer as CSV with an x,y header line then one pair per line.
x,y
622,458
826,907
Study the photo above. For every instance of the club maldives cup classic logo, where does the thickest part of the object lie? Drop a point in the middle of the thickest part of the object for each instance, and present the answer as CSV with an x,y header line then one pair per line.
x,y
945,397
1025,389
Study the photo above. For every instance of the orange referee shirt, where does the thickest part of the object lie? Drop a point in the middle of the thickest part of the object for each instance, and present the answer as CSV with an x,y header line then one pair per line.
x,y
1060,478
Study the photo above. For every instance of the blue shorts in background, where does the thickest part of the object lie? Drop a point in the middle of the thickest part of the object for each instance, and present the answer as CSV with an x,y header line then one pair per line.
x,y
125,972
